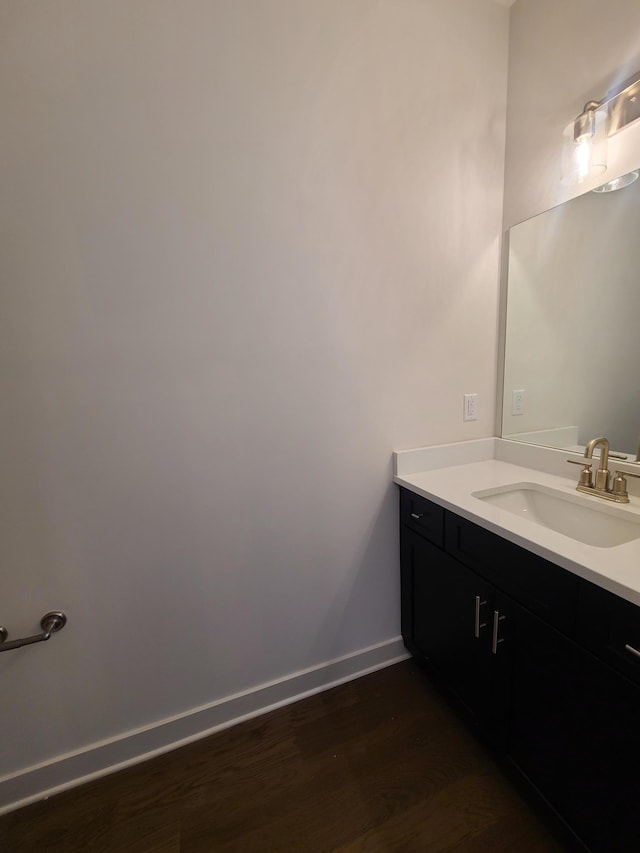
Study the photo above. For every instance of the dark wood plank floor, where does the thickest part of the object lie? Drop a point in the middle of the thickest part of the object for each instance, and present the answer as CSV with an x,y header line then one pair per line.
x,y
378,764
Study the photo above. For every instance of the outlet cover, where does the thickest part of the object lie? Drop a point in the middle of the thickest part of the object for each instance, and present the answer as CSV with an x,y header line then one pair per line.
x,y
470,407
517,402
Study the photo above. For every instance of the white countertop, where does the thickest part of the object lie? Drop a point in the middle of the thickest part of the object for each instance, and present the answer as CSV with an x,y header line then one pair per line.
x,y
450,475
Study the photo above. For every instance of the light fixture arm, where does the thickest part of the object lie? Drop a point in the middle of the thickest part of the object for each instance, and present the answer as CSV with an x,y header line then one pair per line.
x,y
622,105
584,126
584,152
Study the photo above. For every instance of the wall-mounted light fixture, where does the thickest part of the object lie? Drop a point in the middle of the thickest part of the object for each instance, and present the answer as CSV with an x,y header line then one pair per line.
x,y
584,153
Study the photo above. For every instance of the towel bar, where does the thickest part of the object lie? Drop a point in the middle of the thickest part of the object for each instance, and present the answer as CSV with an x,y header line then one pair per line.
x,y
50,623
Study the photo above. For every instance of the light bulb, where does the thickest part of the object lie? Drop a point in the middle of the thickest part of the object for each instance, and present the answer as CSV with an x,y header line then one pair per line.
x,y
584,152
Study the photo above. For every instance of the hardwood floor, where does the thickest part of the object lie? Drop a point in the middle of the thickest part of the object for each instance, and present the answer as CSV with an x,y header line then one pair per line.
x,y
378,764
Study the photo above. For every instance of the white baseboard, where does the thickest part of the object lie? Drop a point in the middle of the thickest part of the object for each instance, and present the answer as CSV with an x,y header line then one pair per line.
x,y
99,759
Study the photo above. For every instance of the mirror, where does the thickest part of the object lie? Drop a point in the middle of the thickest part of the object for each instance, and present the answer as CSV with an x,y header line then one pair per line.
x,y
572,340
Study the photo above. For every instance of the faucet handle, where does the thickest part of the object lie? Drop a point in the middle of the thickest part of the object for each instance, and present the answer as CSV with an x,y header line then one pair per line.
x,y
620,483
585,475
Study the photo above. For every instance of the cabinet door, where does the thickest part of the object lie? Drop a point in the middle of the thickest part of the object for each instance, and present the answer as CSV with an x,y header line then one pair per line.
x,y
544,588
451,612
574,733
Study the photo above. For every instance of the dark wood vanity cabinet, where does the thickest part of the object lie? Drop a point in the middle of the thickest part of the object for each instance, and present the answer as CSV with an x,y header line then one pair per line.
x,y
450,610
538,659
573,732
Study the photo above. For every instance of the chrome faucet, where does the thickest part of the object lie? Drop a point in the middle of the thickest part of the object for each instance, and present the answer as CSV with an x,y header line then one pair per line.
x,y
602,487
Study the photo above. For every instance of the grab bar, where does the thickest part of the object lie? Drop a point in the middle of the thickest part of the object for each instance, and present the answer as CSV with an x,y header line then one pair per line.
x,y
50,623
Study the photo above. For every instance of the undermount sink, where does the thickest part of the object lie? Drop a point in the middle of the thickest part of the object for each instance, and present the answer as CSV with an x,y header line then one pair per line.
x,y
603,526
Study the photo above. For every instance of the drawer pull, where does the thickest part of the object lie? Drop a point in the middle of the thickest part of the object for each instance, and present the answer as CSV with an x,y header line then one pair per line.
x,y
631,650
417,515
478,623
497,618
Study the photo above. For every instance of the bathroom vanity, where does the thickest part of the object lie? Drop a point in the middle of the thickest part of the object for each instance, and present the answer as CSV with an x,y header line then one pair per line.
x,y
535,637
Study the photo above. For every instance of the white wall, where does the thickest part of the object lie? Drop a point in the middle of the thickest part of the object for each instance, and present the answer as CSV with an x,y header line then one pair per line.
x,y
248,249
562,54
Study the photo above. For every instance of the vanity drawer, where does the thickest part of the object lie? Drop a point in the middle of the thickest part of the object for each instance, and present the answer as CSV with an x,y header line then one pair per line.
x,y
423,516
544,588
610,627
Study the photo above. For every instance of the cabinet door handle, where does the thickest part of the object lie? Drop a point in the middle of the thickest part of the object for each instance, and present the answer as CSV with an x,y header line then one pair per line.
x,y
478,624
417,515
631,650
497,619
